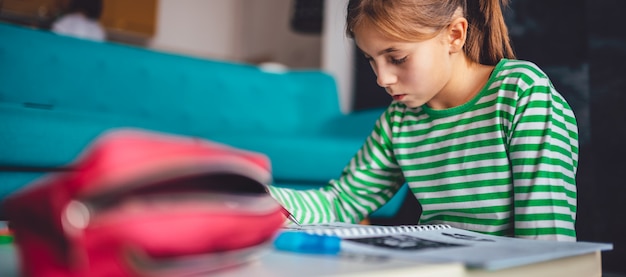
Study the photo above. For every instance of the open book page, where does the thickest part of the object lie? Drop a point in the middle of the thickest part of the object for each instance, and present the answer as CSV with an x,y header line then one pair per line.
x,y
440,243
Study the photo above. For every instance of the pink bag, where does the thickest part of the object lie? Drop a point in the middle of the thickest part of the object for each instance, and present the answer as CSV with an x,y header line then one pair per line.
x,y
146,204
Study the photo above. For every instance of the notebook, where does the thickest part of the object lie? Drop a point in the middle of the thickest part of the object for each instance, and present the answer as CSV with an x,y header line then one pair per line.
x,y
444,243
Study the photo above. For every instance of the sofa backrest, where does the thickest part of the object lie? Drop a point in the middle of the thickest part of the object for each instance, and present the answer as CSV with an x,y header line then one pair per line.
x,y
83,87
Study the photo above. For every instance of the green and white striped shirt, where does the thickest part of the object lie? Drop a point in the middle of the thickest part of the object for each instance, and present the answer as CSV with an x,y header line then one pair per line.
x,y
504,163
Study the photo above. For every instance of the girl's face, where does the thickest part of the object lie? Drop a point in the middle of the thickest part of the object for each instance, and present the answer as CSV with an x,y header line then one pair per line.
x,y
414,73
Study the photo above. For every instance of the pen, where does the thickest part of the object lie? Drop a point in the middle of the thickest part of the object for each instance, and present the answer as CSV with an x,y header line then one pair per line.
x,y
6,239
307,243
290,216
302,242
5,236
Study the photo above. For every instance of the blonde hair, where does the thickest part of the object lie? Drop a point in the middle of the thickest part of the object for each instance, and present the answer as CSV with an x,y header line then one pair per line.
x,y
487,35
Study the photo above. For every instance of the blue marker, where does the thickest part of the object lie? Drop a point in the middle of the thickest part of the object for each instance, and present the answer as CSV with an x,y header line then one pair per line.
x,y
302,242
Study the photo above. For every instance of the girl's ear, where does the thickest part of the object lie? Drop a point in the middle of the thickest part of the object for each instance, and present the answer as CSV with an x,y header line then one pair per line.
x,y
457,33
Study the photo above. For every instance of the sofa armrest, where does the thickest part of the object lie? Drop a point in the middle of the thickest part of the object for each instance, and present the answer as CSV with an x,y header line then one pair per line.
x,y
358,124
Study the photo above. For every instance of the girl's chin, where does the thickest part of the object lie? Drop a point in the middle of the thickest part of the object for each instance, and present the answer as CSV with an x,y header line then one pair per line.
x,y
410,104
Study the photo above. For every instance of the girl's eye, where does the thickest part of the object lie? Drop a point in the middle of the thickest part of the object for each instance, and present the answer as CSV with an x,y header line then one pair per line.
x,y
398,61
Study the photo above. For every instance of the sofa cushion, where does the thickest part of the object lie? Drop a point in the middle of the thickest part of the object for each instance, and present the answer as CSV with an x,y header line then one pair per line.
x,y
205,95
33,138
305,159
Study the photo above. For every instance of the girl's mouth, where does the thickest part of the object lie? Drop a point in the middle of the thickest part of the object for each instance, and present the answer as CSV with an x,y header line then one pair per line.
x,y
398,97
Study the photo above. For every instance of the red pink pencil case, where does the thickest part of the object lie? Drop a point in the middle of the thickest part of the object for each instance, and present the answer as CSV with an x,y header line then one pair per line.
x,y
138,203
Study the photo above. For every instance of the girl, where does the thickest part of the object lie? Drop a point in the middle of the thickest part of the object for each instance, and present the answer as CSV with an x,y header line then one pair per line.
x,y
484,141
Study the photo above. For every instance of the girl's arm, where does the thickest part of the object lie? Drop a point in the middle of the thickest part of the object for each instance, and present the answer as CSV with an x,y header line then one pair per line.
x,y
369,180
543,150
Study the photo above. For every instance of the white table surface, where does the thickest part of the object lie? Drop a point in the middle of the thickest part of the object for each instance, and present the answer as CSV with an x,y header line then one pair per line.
x,y
277,263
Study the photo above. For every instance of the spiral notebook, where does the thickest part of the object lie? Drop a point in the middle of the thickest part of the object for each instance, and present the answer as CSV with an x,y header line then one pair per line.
x,y
444,243
346,230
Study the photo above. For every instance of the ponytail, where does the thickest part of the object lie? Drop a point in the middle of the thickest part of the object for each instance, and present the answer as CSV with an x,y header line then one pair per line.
x,y
487,35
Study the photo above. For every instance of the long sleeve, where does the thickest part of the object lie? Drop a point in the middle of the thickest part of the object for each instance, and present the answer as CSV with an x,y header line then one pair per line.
x,y
369,180
544,157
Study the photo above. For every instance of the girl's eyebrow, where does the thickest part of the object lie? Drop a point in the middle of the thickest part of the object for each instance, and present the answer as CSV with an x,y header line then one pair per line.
x,y
381,52
388,50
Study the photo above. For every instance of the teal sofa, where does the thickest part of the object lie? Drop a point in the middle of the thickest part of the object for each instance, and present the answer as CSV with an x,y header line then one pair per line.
x,y
58,93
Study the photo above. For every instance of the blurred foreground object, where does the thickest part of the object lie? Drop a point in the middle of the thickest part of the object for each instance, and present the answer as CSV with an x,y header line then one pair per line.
x,y
139,203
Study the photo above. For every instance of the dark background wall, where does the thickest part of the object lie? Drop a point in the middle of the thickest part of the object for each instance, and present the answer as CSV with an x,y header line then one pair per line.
x,y
581,45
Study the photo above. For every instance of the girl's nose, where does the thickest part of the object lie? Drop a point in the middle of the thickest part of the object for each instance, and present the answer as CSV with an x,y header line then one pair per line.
x,y
384,77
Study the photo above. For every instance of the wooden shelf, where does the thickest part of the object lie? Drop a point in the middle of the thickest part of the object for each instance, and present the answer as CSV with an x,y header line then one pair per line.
x,y
130,18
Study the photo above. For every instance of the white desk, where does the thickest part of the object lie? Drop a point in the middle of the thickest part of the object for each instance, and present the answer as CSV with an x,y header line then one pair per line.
x,y
8,261
278,264
287,264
